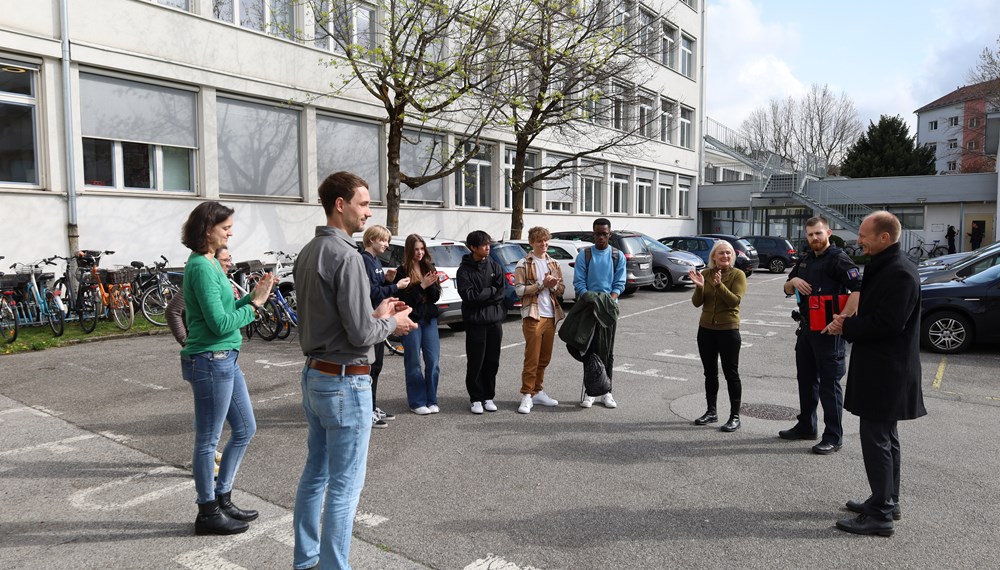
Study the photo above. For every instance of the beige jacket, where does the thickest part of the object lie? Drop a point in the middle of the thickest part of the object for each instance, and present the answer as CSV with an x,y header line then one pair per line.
x,y
527,285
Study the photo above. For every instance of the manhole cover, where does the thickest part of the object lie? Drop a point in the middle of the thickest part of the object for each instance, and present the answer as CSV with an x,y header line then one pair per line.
x,y
768,412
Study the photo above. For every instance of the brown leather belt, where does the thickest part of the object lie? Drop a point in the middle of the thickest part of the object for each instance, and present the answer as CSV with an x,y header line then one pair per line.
x,y
334,369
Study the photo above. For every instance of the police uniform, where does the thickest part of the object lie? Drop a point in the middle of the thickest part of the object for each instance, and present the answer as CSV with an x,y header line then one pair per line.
x,y
819,358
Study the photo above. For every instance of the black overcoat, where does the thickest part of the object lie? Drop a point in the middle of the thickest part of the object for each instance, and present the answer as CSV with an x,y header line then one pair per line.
x,y
883,381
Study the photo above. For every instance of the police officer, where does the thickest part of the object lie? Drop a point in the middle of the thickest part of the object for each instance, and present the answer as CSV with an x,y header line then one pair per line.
x,y
824,270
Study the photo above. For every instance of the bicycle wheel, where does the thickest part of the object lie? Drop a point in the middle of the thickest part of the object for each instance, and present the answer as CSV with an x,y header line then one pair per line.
x,y
939,251
121,308
269,320
154,304
56,318
88,308
8,322
394,344
286,330
916,251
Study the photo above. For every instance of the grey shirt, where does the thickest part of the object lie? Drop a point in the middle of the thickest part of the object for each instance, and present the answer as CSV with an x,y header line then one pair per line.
x,y
334,307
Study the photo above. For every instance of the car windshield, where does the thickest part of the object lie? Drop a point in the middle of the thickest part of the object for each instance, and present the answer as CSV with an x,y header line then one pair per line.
x,y
654,245
447,255
510,254
745,244
633,244
984,277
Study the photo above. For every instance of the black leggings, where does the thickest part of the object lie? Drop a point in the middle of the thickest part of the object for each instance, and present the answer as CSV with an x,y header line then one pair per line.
x,y
713,345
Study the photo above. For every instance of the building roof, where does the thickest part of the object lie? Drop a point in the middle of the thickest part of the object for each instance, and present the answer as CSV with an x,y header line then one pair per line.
x,y
963,94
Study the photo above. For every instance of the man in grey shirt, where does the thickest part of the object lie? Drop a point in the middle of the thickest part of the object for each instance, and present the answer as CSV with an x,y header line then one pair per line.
x,y
336,332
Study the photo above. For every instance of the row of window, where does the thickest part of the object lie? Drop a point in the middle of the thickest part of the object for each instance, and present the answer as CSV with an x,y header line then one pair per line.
x,y
651,116
144,136
953,122
661,41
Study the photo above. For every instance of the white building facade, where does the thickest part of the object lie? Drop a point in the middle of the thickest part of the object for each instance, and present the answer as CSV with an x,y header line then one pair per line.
x,y
118,116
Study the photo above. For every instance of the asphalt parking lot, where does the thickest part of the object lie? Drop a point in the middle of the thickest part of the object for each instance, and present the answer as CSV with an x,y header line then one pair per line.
x,y
95,439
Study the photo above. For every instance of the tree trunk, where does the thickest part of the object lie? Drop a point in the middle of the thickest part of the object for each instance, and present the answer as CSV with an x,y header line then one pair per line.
x,y
392,196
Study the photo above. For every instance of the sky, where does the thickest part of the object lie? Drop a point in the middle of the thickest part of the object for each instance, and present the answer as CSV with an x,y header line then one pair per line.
x,y
890,57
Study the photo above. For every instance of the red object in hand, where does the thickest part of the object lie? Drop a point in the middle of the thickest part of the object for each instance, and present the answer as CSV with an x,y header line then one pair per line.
x,y
822,308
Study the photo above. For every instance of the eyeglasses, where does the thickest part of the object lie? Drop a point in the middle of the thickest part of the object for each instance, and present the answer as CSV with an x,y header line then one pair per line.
x,y
602,234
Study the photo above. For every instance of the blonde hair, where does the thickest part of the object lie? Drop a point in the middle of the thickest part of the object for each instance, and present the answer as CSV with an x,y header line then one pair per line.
x,y
538,233
719,245
376,233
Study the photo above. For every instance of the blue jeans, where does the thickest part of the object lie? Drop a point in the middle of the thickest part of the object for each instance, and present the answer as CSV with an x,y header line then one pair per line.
x,y
339,413
220,395
422,385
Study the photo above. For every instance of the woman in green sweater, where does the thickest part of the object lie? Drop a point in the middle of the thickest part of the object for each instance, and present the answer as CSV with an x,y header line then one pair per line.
x,y
718,291
208,362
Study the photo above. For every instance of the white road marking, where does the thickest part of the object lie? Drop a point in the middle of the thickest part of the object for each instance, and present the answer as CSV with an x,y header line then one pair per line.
x,y
45,410
24,409
116,436
368,519
81,367
783,313
652,372
761,323
669,352
278,397
210,558
494,562
144,384
61,446
767,334
81,499
268,363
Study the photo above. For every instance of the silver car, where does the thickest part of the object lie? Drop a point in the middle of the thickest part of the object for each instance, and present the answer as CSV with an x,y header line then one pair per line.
x,y
564,252
671,266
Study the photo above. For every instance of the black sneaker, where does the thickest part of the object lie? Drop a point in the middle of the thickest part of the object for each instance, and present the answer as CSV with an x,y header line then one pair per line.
x,y
383,415
378,422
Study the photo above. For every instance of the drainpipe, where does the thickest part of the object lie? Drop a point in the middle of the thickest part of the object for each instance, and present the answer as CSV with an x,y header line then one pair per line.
x,y
72,230
702,98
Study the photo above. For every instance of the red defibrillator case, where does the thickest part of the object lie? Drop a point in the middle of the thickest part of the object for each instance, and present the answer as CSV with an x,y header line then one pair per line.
x,y
822,308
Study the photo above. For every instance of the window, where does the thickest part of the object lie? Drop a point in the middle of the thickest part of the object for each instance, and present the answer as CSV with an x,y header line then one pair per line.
x,y
591,188
911,218
666,203
667,120
137,135
530,160
643,196
473,181
973,122
668,46
687,56
973,145
647,117
18,124
343,144
952,166
619,193
952,121
932,146
683,193
355,28
258,149
419,154
592,107
273,16
619,18
182,4
932,125
730,175
685,132
560,192
619,108
952,143
646,37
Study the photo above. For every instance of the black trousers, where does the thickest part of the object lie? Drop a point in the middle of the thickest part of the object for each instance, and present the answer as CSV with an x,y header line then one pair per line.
x,y
880,449
482,347
819,364
721,345
377,369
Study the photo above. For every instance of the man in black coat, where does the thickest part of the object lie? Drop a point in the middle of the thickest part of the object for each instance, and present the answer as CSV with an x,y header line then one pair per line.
x,y
883,380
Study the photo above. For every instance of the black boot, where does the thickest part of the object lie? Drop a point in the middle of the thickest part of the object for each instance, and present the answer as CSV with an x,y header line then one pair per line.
x,y
211,520
733,424
709,417
234,512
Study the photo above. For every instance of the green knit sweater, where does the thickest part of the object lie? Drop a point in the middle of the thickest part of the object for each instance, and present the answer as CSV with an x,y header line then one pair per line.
x,y
720,306
212,313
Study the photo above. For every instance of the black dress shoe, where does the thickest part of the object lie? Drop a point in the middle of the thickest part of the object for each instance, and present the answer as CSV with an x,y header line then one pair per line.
x,y
860,506
825,448
864,524
226,505
706,418
212,520
796,433
732,425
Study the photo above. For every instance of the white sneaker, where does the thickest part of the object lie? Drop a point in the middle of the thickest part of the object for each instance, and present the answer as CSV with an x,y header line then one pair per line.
x,y
434,408
525,406
489,406
543,399
609,401
587,401
421,411
477,407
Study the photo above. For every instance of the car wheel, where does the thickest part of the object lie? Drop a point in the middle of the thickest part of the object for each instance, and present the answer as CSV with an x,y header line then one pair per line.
x,y
748,272
457,327
946,332
662,281
630,290
777,265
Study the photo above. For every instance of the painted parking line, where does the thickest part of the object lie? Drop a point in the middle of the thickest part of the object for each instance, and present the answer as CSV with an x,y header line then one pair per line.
x,y
652,373
669,352
84,500
60,446
22,410
494,562
144,384
211,557
939,376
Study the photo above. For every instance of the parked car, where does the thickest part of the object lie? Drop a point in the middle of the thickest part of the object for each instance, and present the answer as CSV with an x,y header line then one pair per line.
x,y
941,261
747,259
670,266
956,314
507,255
638,260
776,253
447,256
564,253
700,246
985,258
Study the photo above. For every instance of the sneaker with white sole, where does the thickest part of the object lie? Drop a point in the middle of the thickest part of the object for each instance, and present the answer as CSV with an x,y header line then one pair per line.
x,y
434,408
609,401
525,407
489,406
543,399
382,415
587,401
477,407
421,411
378,422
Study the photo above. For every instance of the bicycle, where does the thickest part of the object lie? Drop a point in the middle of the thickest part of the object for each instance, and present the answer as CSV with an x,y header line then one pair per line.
x,y
8,318
267,324
39,305
919,252
157,291
394,344
87,301
110,289
286,314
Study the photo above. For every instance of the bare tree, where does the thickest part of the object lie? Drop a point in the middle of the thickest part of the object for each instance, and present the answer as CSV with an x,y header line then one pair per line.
x,y
771,127
571,81
985,78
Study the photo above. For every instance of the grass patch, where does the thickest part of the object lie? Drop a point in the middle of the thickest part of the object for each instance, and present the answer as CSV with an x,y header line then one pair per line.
x,y
41,338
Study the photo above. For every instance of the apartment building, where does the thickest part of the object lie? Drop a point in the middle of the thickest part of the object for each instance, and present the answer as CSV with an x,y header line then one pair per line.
x,y
963,128
118,116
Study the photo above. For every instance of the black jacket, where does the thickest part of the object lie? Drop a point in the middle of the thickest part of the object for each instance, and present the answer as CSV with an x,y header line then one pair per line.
x,y
381,289
481,286
421,300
